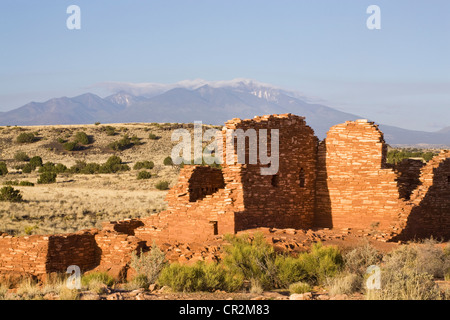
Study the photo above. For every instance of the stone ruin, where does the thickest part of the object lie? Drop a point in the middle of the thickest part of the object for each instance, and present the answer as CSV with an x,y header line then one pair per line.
x,y
341,182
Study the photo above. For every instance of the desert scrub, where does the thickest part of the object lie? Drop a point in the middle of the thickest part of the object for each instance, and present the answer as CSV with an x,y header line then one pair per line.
x,y
52,167
299,287
144,175
344,283
162,185
3,169
168,161
199,277
97,281
10,194
402,278
36,161
21,156
82,138
289,270
110,131
70,146
26,138
112,165
18,183
432,259
47,178
148,266
152,136
29,290
122,144
252,258
135,140
322,262
361,257
144,165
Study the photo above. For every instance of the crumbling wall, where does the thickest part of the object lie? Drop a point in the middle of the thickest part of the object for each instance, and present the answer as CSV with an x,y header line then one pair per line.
x,y
408,172
286,199
206,202
88,249
355,189
193,221
430,211
23,254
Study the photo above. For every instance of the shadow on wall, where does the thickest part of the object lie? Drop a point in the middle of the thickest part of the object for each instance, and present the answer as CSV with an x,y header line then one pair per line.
x,y
431,216
74,249
322,217
286,198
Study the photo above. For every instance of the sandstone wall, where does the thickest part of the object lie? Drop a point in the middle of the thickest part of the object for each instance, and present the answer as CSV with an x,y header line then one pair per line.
x,y
430,212
90,249
355,188
285,200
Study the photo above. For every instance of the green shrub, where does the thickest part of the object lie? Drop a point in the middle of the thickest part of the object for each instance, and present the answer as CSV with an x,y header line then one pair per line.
x,y
47,177
162,185
289,270
28,168
321,263
61,140
252,258
153,136
17,183
36,161
60,168
52,167
11,183
78,166
91,168
96,281
135,140
21,156
10,194
299,288
29,229
3,169
168,161
148,266
97,123
199,277
70,146
110,131
26,138
26,184
144,175
82,138
121,144
113,165
144,165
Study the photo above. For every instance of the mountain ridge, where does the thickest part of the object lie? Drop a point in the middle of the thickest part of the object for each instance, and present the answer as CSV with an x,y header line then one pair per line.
x,y
199,100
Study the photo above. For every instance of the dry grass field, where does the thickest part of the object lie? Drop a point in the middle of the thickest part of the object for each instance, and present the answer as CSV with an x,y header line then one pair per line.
x,y
79,201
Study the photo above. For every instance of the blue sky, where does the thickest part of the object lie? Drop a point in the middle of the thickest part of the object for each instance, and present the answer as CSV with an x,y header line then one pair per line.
x,y
399,75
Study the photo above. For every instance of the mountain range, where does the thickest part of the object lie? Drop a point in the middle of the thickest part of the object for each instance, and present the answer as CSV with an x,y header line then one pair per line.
x,y
209,102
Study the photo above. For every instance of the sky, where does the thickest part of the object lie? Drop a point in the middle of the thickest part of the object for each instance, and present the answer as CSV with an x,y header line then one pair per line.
x,y
397,75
